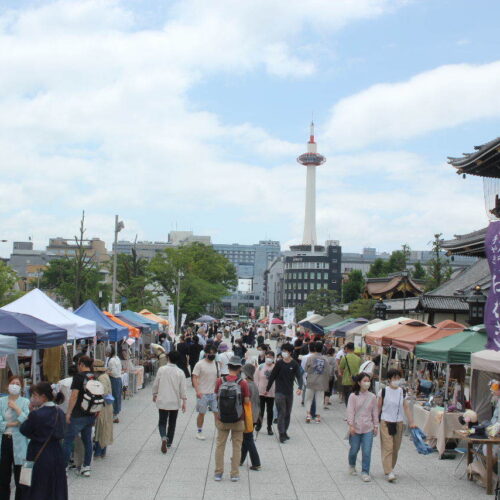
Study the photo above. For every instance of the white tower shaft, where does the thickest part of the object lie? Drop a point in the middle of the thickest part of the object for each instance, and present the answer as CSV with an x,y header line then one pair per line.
x,y
309,237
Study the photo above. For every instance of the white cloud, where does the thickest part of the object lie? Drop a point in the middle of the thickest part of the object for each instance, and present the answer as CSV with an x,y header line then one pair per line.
x,y
441,98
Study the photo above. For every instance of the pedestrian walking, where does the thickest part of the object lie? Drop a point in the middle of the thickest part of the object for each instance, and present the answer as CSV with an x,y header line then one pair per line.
x,y
194,352
225,354
204,376
103,436
362,419
392,403
14,410
317,372
182,348
232,393
349,366
114,366
169,394
80,417
44,428
284,373
248,446
261,378
332,367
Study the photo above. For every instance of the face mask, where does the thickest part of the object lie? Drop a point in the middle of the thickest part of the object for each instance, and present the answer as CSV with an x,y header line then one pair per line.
x,y
365,385
211,357
14,389
285,355
269,361
395,383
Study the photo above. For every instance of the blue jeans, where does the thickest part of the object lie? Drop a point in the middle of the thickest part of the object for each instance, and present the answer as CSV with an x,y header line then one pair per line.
x,y
82,426
116,390
363,441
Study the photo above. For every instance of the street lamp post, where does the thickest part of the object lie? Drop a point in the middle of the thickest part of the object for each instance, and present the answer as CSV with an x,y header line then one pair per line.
x,y
119,225
477,301
404,274
380,309
177,325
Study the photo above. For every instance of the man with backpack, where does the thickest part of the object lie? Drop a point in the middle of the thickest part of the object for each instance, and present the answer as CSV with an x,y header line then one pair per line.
x,y
85,402
232,393
349,366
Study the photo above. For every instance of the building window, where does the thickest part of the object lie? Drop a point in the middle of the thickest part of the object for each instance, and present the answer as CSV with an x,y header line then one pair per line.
x,y
325,276
299,276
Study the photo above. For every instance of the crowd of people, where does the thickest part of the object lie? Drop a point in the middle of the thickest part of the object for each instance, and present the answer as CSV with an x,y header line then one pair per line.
x,y
64,427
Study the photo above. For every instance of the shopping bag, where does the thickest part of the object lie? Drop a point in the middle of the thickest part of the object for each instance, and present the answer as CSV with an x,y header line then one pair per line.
x,y
247,408
26,471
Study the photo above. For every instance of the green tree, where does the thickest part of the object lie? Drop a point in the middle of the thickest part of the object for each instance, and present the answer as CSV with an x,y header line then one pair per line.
x,y
204,276
242,310
8,279
60,277
378,269
134,282
418,272
322,302
362,308
353,287
438,268
397,262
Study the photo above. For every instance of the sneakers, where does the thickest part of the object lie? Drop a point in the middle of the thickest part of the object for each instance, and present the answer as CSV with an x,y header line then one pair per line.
x,y
84,471
308,419
255,467
352,471
164,445
200,436
218,477
270,432
366,477
116,420
287,437
391,477
235,479
318,419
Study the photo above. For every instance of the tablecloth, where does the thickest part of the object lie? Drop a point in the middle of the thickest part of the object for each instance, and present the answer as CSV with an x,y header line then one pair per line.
x,y
435,427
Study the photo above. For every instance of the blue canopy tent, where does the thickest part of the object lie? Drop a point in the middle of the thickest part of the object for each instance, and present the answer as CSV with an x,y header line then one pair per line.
x,y
139,318
31,333
312,326
143,327
109,329
8,347
341,332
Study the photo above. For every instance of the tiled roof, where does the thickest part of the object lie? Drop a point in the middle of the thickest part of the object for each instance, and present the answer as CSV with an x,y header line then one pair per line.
x,y
381,286
467,244
442,303
483,162
397,305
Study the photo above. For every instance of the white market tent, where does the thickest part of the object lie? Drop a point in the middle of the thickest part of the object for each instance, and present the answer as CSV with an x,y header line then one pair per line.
x,y
37,304
380,325
358,331
314,318
485,366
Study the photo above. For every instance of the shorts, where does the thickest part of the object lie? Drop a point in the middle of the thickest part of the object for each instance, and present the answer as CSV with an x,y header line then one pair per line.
x,y
207,402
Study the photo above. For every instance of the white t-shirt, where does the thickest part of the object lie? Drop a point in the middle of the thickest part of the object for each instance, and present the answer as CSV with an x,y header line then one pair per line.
x,y
340,354
207,373
367,367
224,358
392,408
114,365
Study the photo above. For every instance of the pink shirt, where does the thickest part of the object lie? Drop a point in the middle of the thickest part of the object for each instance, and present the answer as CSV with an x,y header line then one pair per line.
x,y
362,411
261,378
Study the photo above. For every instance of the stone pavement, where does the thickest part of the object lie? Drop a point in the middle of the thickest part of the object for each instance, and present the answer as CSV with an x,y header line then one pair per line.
x,y
312,465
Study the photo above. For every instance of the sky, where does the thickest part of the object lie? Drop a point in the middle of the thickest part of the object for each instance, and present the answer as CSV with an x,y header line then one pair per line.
x,y
189,115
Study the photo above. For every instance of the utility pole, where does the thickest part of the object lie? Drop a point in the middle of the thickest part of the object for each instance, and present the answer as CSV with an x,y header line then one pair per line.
x,y
118,227
177,326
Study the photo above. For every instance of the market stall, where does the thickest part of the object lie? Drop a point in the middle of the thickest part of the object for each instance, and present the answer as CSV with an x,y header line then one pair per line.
x,y
114,332
345,329
8,348
154,317
485,367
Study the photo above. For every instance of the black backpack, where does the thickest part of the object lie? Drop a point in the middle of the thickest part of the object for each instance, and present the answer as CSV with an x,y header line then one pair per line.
x,y
230,401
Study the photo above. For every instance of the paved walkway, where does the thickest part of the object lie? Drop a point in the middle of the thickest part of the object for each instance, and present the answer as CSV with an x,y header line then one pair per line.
x,y
312,465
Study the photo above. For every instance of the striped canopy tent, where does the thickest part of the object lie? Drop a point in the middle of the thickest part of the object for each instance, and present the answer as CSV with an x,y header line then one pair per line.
x,y
132,331
386,336
154,317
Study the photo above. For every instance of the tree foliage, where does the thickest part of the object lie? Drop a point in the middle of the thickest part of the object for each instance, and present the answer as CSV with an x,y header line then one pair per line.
x,y
8,279
418,271
322,302
204,276
134,282
438,268
353,287
362,308
397,262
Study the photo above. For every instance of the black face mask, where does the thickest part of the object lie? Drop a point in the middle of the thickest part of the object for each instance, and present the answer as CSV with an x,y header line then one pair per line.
x,y
211,357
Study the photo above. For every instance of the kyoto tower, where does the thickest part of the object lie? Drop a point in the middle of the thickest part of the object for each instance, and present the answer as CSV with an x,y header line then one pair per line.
x,y
311,160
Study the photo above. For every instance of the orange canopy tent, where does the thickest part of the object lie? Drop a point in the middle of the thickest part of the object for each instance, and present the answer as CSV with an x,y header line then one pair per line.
x,y
429,334
153,317
386,336
133,332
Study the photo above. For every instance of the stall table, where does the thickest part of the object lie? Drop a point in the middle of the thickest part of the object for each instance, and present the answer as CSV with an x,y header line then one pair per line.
x,y
437,425
488,442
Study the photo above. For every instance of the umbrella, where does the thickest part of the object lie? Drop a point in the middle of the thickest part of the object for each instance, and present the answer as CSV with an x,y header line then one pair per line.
x,y
205,319
31,333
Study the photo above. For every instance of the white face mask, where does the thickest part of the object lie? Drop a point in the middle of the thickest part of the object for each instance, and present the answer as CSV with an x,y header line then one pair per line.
x,y
269,361
396,383
365,385
14,389
285,355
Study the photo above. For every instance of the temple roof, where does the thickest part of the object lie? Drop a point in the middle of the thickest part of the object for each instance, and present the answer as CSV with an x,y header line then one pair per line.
x,y
393,285
438,303
471,244
484,161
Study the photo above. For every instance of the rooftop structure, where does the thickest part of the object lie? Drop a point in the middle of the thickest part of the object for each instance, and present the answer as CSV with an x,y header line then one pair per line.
x,y
398,285
471,244
484,161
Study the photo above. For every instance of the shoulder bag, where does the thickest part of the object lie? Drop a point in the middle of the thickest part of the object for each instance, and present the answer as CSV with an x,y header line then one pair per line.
x,y
27,467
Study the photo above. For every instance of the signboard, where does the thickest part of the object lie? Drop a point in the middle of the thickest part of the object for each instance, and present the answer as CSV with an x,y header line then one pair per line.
x,y
116,310
271,315
309,313
183,319
262,312
289,315
171,319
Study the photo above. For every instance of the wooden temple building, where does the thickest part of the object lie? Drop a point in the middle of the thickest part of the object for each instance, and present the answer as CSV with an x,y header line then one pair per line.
x,y
394,286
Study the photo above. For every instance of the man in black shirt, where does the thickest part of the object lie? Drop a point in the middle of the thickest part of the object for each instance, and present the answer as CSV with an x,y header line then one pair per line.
x,y
284,373
77,419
